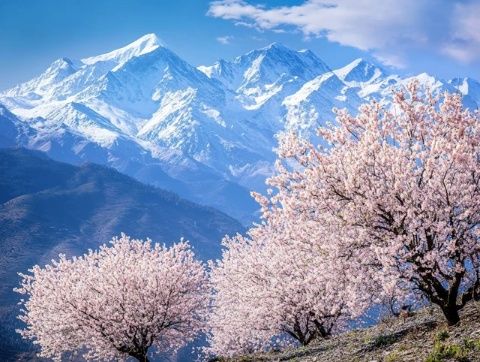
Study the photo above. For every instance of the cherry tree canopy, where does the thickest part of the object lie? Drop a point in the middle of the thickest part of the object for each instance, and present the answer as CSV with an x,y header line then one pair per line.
x,y
398,188
277,286
116,302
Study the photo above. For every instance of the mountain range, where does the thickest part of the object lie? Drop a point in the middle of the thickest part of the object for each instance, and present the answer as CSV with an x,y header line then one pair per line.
x,y
207,133
49,207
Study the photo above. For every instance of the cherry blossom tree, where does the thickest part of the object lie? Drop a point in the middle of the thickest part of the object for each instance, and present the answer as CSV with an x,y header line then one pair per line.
x,y
399,188
275,288
116,302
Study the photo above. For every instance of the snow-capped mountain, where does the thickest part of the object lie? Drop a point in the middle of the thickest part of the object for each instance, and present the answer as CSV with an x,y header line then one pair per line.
x,y
261,74
207,133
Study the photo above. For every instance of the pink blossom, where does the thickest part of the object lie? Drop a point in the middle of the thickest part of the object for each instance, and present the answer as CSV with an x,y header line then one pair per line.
x,y
116,302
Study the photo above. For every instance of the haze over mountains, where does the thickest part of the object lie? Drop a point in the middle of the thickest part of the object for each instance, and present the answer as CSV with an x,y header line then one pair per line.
x,y
207,133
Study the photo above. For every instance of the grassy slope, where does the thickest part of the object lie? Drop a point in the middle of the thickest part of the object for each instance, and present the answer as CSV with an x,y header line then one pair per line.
x,y
422,337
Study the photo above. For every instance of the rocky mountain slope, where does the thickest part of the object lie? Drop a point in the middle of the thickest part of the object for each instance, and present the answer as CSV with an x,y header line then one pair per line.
x,y
207,133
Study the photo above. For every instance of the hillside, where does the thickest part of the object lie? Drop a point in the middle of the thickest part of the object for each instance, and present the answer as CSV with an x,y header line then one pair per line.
x,y
424,336
48,207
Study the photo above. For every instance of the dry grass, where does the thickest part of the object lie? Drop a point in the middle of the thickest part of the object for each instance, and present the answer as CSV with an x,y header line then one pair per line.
x,y
422,337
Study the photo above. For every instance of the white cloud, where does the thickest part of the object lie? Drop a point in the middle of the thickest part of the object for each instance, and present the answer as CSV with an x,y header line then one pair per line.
x,y
464,44
387,28
225,40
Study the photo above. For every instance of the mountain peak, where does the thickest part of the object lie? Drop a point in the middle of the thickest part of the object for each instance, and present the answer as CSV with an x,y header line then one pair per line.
x,y
61,64
360,71
277,46
358,62
273,49
63,60
143,45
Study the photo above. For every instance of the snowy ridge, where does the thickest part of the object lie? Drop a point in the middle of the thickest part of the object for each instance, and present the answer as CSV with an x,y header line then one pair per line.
x,y
359,72
143,45
207,133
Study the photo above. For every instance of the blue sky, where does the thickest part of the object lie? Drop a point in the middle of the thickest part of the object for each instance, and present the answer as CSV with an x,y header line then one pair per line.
x,y
441,37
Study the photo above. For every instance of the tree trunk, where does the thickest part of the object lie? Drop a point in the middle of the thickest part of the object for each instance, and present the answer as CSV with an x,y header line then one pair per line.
x,y
140,357
451,314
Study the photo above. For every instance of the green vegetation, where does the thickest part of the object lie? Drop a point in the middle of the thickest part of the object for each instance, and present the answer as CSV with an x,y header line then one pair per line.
x,y
393,357
448,351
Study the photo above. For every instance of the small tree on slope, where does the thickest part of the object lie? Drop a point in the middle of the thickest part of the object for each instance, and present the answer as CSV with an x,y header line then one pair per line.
x,y
400,190
116,302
